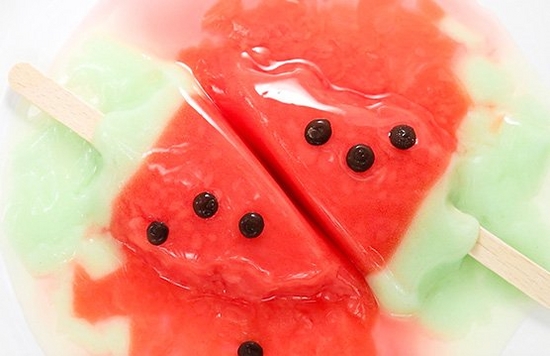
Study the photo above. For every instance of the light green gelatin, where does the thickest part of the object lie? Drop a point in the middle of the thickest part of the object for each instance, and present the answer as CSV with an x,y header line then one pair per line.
x,y
499,180
63,186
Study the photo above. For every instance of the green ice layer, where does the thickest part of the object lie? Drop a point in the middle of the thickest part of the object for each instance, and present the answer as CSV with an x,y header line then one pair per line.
x,y
65,185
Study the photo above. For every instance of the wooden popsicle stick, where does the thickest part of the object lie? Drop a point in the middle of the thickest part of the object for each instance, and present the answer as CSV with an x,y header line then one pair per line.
x,y
54,100
514,267
489,250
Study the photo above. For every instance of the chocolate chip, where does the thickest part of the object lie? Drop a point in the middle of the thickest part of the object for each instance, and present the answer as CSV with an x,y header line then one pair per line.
x,y
402,137
251,225
318,132
250,348
157,233
205,205
360,158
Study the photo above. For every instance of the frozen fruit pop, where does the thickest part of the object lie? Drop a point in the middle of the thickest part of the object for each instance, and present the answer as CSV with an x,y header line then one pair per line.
x,y
386,150
328,103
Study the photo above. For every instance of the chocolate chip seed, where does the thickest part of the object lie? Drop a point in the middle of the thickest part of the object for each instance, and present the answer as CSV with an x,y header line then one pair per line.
x,y
251,225
402,137
157,233
360,158
205,205
250,348
318,132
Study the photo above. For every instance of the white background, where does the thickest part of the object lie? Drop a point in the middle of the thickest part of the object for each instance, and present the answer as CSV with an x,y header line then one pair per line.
x,y
34,30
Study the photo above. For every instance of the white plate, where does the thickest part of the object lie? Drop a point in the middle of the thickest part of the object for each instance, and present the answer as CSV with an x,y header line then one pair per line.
x,y
34,30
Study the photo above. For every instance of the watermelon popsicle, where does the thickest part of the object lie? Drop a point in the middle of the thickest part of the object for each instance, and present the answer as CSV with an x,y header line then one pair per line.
x,y
228,272
463,249
386,131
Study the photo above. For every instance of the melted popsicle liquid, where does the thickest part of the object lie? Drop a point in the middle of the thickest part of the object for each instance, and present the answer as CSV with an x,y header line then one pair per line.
x,y
487,180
